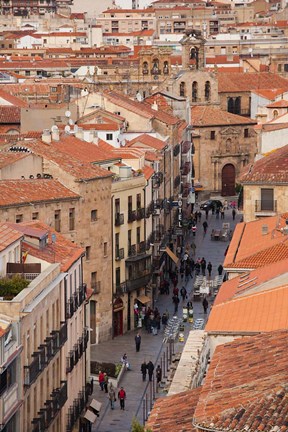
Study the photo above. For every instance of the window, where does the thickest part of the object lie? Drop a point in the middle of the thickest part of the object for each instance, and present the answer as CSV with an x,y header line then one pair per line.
x,y
275,114
212,135
88,253
182,89
194,91
57,220
53,89
279,67
286,67
105,249
246,133
35,215
118,276
72,219
138,200
93,279
267,199
207,91
138,235
94,215
109,136
19,218
129,204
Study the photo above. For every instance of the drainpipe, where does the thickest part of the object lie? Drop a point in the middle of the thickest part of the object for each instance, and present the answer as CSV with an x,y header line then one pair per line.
x,y
112,250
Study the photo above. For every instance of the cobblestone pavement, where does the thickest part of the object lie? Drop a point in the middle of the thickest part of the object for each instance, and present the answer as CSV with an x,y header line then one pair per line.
x,y
152,346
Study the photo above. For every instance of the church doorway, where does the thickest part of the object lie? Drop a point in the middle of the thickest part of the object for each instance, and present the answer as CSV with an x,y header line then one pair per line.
x,y
228,180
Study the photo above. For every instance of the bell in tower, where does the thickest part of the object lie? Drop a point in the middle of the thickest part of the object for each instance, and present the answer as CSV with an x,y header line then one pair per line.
x,y
192,50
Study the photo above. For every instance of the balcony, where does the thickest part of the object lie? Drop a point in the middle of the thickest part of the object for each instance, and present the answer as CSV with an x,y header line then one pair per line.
x,y
140,213
79,348
45,353
141,247
8,401
177,181
52,407
138,280
149,209
120,288
266,207
75,410
131,216
186,168
70,308
186,146
96,287
119,219
132,250
82,290
119,254
176,150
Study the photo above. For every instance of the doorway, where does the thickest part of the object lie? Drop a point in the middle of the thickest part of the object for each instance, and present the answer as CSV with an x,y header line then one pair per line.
x,y
117,317
228,180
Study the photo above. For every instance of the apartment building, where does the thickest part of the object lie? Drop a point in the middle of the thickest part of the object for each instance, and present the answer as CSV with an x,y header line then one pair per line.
x,y
50,313
78,211
126,20
20,8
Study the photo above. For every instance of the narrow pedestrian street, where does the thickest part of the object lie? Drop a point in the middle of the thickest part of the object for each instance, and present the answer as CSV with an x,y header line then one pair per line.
x,y
152,345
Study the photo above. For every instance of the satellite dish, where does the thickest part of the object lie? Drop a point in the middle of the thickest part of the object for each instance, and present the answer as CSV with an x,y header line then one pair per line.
x,y
139,97
67,113
53,238
71,122
67,128
54,128
76,129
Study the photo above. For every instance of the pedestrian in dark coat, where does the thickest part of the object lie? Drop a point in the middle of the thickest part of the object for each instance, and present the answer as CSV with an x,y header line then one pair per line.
x,y
158,374
144,370
203,266
220,269
205,226
138,342
183,293
150,368
209,268
205,305
176,301
233,213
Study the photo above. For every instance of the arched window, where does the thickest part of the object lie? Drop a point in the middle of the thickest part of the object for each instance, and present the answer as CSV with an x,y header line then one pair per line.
x,y
194,91
194,56
275,114
230,105
182,89
145,68
155,68
237,106
207,91
166,68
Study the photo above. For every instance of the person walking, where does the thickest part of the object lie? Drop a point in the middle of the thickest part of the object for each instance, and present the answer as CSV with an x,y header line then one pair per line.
x,y
205,226
193,248
101,379
144,370
176,301
203,266
194,229
137,342
106,381
222,211
233,213
220,270
112,396
205,305
209,269
183,293
122,397
199,215
158,374
150,368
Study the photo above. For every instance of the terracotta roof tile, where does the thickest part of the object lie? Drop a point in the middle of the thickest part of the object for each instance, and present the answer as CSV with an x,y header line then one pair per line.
x,y
147,140
8,235
269,169
10,114
248,241
7,158
13,100
246,385
243,81
269,93
260,312
174,413
14,192
62,250
248,281
212,116
278,104
148,172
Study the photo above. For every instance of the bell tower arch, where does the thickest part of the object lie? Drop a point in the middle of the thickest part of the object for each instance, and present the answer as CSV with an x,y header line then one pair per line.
x,y
193,50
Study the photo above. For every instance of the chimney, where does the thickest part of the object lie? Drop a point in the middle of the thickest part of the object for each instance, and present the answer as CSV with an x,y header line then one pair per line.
x,y
55,135
154,106
46,136
264,229
79,133
95,138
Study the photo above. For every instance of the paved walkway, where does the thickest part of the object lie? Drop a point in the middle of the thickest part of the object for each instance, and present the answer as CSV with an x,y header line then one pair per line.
x,y
151,346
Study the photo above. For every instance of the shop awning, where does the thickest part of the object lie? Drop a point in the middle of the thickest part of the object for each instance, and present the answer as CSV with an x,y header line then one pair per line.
x,y
144,299
172,255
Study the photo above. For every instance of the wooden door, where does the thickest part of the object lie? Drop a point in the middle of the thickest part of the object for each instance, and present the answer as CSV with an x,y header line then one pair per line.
x,y
228,180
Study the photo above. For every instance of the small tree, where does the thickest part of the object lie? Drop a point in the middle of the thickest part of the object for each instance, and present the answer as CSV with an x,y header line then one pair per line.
x,y
136,427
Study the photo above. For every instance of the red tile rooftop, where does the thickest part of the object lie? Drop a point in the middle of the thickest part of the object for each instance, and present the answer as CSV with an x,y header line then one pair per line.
x,y
243,81
8,236
147,140
213,116
62,250
13,192
246,386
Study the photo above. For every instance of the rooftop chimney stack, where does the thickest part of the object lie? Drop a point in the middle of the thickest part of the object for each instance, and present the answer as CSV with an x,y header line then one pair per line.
x,y
46,136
